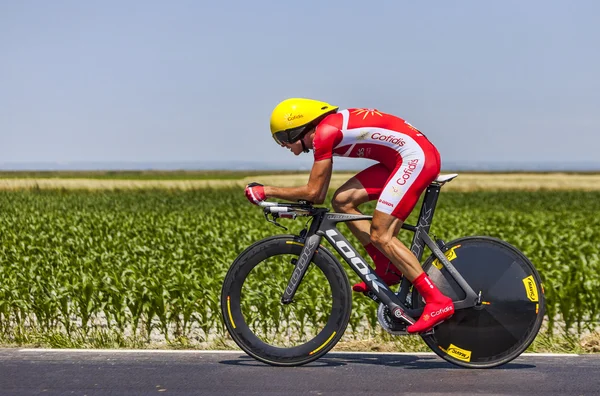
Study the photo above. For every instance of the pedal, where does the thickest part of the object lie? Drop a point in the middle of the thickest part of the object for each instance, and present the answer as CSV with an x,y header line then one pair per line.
x,y
398,328
432,330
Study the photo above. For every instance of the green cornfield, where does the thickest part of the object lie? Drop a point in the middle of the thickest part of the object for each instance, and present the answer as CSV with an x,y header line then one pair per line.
x,y
125,268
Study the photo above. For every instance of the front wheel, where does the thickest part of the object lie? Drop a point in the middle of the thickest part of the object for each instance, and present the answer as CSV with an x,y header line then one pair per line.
x,y
511,310
285,334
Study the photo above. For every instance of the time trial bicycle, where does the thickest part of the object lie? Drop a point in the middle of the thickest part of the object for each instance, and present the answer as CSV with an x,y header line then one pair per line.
x,y
286,300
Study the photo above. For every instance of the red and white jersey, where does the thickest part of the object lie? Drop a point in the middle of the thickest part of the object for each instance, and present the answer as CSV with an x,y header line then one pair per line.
x,y
368,133
407,161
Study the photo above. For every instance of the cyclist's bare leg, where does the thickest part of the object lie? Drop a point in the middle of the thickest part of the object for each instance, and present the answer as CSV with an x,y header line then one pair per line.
x,y
384,229
346,200
438,307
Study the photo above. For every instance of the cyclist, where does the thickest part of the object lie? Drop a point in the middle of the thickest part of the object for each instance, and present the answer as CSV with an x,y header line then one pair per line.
x,y
407,162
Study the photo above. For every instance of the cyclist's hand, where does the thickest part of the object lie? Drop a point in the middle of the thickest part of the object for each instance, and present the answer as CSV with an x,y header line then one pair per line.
x,y
255,193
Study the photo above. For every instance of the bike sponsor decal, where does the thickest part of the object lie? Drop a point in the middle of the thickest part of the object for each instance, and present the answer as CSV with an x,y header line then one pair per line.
x,y
356,262
299,244
303,262
450,255
531,289
424,223
407,173
323,344
398,141
337,217
458,353
229,311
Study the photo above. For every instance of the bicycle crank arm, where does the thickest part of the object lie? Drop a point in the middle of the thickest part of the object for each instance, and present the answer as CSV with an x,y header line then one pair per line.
x,y
401,314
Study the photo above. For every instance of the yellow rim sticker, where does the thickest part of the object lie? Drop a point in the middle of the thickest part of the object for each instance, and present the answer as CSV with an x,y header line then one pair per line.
x,y
229,311
322,345
531,288
450,255
299,244
459,353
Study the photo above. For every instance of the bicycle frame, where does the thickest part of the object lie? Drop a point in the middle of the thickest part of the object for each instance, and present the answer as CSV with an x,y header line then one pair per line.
x,y
324,225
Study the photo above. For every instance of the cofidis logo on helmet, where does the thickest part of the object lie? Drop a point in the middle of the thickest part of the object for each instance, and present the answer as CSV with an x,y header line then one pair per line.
x,y
291,117
388,138
408,171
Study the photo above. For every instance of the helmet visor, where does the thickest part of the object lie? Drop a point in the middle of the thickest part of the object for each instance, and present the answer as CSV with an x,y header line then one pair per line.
x,y
289,136
281,137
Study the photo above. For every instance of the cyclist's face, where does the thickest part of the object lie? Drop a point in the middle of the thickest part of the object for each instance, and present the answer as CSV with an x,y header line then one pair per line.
x,y
295,148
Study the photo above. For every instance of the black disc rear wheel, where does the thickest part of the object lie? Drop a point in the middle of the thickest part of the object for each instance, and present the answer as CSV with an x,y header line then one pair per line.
x,y
511,310
285,334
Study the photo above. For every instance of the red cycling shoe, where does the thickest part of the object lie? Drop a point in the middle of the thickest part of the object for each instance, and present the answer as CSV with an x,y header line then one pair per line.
x,y
438,307
434,313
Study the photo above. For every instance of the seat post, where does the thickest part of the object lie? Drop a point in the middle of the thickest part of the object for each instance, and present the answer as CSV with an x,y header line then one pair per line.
x,y
425,218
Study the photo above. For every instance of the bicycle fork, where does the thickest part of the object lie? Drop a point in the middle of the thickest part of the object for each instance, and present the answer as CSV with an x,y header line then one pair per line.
x,y
308,250
310,246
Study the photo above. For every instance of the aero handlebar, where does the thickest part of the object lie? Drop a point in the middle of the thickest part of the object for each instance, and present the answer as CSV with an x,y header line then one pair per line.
x,y
288,210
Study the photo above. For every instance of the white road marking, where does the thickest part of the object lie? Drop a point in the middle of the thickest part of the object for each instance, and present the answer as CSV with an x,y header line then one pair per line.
x,y
175,351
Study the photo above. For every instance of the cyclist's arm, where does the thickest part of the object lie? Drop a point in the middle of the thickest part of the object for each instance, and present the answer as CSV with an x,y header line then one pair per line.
x,y
316,189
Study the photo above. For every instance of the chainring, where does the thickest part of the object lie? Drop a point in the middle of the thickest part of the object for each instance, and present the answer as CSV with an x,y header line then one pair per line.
x,y
384,316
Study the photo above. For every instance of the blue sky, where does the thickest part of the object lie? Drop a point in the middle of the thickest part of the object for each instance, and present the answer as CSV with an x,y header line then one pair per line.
x,y
152,81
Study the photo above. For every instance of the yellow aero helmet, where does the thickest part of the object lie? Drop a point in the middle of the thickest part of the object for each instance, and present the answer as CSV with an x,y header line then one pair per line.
x,y
294,117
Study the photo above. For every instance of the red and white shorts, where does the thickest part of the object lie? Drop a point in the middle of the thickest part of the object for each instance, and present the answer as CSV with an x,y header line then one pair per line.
x,y
398,190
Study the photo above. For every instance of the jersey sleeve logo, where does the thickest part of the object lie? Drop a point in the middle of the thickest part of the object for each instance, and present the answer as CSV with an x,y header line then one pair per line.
x,y
367,112
363,135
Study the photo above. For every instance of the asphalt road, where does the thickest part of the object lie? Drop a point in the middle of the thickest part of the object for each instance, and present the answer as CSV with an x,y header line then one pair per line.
x,y
45,372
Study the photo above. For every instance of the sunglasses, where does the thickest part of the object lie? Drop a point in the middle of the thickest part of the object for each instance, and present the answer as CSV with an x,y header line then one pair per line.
x,y
290,135
282,137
